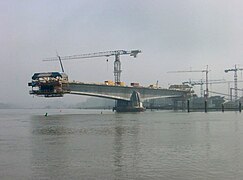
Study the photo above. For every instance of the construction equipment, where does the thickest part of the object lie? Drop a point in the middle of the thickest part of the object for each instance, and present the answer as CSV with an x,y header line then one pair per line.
x,y
194,83
202,82
117,62
192,71
235,79
49,84
60,60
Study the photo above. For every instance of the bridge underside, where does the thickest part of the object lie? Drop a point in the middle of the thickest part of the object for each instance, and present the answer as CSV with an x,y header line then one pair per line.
x,y
120,92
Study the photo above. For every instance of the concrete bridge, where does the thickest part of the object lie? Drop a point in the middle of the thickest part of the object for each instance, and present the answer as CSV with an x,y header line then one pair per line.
x,y
121,92
128,98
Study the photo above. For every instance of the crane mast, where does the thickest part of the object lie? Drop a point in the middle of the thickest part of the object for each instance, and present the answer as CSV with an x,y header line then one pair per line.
x,y
235,79
117,62
117,69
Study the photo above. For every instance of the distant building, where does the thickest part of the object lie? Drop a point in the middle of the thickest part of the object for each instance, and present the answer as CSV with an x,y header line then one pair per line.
x,y
213,102
233,104
162,103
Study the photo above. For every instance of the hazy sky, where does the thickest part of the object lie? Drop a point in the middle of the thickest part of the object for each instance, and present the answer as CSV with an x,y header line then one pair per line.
x,y
172,34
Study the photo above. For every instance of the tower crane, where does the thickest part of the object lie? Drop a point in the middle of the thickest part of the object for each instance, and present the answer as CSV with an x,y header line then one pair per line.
x,y
235,79
202,82
192,71
116,53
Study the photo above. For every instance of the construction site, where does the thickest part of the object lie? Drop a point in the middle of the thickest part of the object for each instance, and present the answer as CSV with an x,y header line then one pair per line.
x,y
135,97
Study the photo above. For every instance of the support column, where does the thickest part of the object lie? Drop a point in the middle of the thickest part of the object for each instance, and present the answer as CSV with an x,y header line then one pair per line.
x,y
134,105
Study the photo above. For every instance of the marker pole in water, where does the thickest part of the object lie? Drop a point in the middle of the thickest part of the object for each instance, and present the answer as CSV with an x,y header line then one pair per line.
x,y
205,106
222,107
188,105
240,107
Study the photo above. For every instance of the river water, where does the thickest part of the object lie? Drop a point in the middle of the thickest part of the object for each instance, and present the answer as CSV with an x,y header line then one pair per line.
x,y
90,144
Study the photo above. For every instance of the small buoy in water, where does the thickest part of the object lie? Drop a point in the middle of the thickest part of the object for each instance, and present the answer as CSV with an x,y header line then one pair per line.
x,y
46,114
101,112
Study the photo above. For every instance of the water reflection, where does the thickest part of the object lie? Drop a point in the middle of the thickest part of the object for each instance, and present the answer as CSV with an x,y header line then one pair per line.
x,y
136,146
51,125
49,142
85,145
154,145
126,148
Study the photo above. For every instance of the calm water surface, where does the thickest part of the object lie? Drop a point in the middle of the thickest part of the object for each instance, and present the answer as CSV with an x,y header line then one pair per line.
x,y
78,144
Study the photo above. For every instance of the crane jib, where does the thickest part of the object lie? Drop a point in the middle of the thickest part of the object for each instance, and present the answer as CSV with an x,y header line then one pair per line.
x,y
116,53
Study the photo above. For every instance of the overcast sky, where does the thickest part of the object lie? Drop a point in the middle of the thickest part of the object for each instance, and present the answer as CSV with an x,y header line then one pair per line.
x,y
172,34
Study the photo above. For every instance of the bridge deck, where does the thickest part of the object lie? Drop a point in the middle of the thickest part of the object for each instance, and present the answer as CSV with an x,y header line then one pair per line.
x,y
121,92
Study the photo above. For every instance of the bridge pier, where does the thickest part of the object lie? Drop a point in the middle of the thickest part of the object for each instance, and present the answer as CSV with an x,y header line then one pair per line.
x,y
134,105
